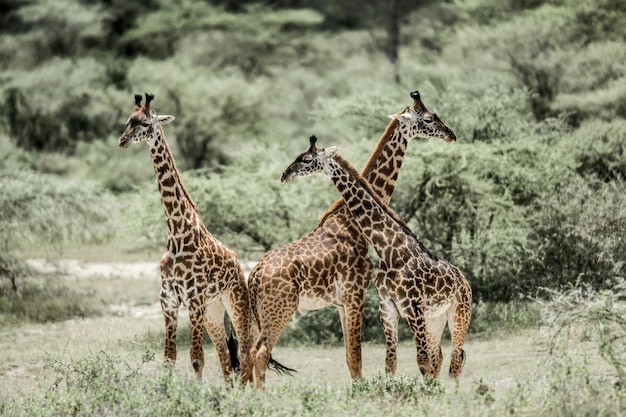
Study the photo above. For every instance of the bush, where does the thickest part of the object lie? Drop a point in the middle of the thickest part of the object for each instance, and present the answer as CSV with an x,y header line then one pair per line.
x,y
604,20
119,384
467,203
401,388
254,211
44,113
599,151
578,237
489,318
64,28
581,314
42,211
40,300
536,61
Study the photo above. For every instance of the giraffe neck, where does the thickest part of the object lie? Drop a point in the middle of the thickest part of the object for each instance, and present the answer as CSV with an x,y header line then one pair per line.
x,y
383,166
378,224
179,208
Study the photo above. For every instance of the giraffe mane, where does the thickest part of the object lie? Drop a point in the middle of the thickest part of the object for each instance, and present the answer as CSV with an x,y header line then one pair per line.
x,y
351,170
368,165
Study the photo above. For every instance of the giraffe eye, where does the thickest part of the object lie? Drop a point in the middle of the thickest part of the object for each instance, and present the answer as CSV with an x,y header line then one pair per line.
x,y
145,124
428,119
307,159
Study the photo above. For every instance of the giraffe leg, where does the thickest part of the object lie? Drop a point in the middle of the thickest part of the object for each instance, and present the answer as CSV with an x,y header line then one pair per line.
x,y
170,315
389,319
260,353
196,354
417,323
351,315
274,310
434,331
214,324
458,322
238,307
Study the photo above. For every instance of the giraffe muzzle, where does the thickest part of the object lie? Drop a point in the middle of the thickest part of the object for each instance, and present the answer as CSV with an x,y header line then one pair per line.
x,y
286,177
124,142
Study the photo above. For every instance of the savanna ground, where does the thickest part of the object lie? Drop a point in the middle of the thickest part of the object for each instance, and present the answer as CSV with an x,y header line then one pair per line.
x,y
110,364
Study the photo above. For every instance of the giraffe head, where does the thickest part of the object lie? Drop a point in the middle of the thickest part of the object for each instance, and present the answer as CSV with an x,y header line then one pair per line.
x,y
142,123
314,160
418,121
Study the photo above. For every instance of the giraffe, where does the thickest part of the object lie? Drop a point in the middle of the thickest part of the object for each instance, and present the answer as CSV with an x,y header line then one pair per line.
x,y
427,291
196,269
331,265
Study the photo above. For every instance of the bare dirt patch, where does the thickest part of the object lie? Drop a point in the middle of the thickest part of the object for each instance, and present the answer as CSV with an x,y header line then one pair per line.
x,y
78,269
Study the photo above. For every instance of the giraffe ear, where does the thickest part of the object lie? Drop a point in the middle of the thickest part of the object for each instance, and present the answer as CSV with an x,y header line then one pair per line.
x,y
330,151
165,119
406,116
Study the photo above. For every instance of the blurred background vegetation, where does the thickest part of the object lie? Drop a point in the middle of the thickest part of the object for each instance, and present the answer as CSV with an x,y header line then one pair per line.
x,y
531,197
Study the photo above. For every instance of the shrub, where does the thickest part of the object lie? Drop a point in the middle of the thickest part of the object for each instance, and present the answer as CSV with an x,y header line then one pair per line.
x,y
539,73
489,318
466,203
42,211
581,314
578,236
64,28
40,300
256,213
599,151
501,114
44,113
400,388
603,21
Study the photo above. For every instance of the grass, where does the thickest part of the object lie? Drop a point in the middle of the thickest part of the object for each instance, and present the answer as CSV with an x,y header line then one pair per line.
x,y
508,375
111,364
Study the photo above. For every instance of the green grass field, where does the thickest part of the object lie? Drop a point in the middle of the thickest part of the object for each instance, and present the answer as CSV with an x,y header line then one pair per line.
x,y
110,364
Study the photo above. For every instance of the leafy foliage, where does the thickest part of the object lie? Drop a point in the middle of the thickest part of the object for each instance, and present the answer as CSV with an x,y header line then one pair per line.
x,y
44,113
400,388
579,237
40,300
585,315
38,209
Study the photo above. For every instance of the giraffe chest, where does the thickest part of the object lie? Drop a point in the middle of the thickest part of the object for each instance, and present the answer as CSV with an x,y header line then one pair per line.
x,y
200,275
190,289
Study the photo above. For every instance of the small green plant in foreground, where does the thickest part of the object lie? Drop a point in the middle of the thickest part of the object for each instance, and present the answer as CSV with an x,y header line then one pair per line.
x,y
112,384
42,300
131,382
400,388
582,314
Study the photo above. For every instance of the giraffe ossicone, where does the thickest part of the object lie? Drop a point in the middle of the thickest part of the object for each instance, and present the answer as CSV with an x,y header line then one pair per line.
x,y
427,291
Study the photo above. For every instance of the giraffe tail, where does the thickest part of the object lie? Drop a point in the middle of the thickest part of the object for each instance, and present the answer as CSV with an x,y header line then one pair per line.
x,y
279,368
233,350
